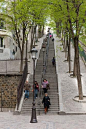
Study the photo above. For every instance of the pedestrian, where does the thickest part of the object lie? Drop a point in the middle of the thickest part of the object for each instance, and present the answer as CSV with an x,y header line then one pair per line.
x,y
44,85
52,39
36,89
46,102
27,90
50,36
53,61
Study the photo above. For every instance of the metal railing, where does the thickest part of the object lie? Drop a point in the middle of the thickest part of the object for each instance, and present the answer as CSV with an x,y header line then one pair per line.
x,y
43,72
45,64
46,57
21,84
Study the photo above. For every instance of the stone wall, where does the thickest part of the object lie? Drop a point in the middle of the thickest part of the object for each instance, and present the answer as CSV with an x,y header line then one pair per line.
x,y
8,86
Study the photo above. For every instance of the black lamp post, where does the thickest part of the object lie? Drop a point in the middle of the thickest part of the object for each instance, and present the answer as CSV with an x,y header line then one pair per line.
x,y
43,49
33,117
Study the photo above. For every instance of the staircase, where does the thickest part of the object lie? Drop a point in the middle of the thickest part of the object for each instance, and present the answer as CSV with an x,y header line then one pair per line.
x,y
52,79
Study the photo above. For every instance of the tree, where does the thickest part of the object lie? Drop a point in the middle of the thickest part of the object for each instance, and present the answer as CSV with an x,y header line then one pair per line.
x,y
72,13
18,19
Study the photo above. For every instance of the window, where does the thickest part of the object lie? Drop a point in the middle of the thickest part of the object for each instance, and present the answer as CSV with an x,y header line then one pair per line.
x,y
1,42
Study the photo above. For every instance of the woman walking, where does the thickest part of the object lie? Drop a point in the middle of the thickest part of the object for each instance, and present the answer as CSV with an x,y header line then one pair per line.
x,y
44,85
46,102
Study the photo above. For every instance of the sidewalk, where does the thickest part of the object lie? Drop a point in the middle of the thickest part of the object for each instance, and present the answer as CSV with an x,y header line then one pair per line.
x,y
68,88
10,121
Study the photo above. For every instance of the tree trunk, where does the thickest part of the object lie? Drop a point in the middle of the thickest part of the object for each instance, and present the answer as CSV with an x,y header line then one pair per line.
x,y
66,46
78,68
35,33
22,50
64,42
69,54
21,64
74,66
31,39
39,31
62,36
43,30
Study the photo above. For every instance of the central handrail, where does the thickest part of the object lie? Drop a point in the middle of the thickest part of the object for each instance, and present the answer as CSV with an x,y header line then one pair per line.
x,y
45,63
43,72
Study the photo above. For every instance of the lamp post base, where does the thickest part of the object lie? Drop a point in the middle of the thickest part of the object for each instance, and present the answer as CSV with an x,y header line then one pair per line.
x,y
33,116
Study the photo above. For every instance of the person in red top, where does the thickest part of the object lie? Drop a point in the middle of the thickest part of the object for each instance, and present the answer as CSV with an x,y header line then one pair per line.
x,y
36,89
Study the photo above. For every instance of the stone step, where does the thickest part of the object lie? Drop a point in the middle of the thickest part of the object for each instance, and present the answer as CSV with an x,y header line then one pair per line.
x,y
30,105
51,99
40,112
37,106
51,77
42,109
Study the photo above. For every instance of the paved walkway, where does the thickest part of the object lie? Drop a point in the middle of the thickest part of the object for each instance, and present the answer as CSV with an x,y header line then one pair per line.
x,y
67,85
10,121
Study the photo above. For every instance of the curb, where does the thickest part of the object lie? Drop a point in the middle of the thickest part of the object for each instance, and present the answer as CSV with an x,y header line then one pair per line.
x,y
61,107
71,113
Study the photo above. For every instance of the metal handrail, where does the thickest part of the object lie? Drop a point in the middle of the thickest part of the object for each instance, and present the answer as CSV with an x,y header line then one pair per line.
x,y
21,84
45,64
43,73
46,56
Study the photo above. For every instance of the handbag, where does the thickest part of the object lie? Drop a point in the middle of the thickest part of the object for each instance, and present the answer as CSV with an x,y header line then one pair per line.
x,y
47,86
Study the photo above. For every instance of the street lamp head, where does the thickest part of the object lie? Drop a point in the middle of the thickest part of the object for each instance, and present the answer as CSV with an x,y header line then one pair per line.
x,y
34,53
43,47
49,28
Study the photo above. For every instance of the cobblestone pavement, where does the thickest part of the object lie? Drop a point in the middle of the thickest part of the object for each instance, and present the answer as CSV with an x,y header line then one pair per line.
x,y
10,121
69,87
